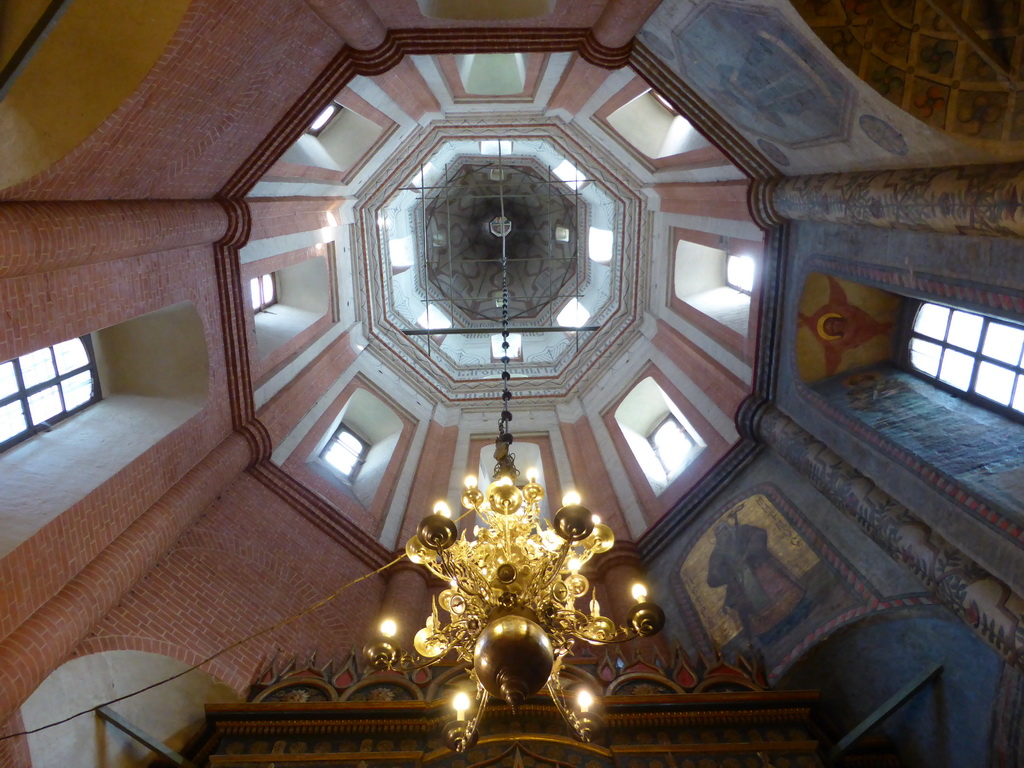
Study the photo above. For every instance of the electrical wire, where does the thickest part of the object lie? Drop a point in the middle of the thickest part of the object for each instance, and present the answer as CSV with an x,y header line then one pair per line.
x,y
277,625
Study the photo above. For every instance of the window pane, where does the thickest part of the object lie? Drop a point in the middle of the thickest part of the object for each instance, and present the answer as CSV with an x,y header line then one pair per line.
x,y
433,319
493,147
1003,342
1018,396
268,289
574,314
323,118
671,442
350,441
45,404
956,369
515,345
568,173
70,355
77,389
8,381
925,356
931,321
36,367
12,421
254,292
965,330
739,272
339,457
995,382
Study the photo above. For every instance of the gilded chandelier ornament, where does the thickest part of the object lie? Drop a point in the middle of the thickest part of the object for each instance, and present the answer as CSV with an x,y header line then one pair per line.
x,y
510,611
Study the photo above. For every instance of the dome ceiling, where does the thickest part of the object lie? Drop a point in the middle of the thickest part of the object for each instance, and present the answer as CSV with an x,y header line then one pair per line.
x,y
464,237
432,258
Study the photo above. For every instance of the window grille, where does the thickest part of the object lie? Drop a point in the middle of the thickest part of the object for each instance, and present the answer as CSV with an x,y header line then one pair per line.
x,y
969,353
41,388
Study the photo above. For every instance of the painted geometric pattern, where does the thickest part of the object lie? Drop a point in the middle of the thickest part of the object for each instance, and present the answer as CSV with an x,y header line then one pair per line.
x,y
916,59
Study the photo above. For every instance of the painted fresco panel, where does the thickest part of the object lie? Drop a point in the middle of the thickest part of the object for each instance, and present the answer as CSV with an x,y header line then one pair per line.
x,y
841,326
987,456
756,69
753,578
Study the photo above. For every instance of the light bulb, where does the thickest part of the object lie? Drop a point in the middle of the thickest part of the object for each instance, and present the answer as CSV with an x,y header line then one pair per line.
x,y
532,474
571,498
441,508
470,481
503,480
574,564
596,519
639,592
388,628
584,699
461,704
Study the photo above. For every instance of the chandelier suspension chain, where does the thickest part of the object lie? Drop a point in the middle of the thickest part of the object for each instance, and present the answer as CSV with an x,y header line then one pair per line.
x,y
505,459
509,610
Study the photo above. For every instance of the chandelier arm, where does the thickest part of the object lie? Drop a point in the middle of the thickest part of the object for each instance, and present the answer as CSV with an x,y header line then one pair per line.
x,y
622,635
563,554
432,566
410,663
558,697
482,698
453,571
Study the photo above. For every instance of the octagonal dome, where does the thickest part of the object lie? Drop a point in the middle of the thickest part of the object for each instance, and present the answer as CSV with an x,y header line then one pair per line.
x,y
433,235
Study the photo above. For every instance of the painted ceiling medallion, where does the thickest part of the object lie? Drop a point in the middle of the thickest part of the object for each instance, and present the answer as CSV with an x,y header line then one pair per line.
x,y
500,226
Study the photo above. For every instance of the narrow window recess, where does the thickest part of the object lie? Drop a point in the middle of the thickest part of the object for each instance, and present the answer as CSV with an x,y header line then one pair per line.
x,y
329,113
672,444
574,314
501,147
569,174
263,291
739,272
970,353
41,388
433,318
515,348
345,453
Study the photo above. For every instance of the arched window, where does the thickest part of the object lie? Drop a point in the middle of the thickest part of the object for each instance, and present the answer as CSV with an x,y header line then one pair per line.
x,y
43,387
661,439
969,353
354,455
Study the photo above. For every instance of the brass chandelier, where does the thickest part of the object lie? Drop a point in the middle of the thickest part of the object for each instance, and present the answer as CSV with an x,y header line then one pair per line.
x,y
510,609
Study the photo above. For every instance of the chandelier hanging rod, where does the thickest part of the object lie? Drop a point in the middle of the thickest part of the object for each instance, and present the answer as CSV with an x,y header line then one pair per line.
x,y
498,329
509,611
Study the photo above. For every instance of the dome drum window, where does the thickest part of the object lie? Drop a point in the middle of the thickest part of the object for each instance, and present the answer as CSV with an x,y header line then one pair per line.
x,y
326,116
672,444
263,292
43,387
345,453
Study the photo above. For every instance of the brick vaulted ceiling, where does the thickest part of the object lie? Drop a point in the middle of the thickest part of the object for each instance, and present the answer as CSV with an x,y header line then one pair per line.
x,y
211,104
178,169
